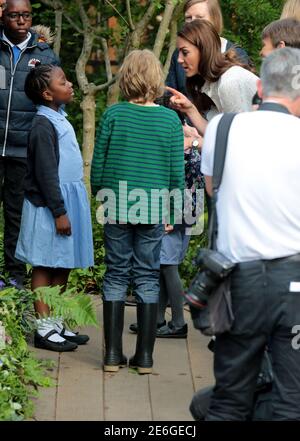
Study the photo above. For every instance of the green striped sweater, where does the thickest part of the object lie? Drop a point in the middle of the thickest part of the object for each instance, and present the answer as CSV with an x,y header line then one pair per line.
x,y
138,153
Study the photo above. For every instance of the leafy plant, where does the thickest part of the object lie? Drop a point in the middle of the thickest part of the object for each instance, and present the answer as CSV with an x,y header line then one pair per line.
x,y
20,372
188,268
76,308
245,20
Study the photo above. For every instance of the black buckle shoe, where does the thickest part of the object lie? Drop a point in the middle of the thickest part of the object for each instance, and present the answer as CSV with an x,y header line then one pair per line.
x,y
134,326
43,343
79,339
169,331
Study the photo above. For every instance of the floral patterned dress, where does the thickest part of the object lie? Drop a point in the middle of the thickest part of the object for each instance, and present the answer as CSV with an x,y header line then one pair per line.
x,y
194,179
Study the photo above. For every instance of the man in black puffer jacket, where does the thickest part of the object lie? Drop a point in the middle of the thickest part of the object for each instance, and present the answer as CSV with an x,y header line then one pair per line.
x,y
20,49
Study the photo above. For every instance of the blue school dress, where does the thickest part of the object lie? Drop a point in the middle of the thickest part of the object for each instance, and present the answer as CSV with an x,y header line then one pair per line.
x,y
174,246
38,243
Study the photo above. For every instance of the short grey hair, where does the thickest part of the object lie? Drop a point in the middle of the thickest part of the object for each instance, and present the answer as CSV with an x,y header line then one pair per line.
x,y
280,73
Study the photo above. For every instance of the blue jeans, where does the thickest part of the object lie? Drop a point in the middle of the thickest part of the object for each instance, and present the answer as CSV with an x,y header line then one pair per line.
x,y
132,254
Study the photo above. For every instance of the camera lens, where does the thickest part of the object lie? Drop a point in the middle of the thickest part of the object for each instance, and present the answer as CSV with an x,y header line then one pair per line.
x,y
199,290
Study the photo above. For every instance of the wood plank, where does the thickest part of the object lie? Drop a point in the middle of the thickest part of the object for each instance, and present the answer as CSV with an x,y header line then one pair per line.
x,y
201,358
126,394
171,385
85,393
80,380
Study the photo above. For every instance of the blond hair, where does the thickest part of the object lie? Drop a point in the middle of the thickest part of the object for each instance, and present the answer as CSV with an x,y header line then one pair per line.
x,y
141,77
214,10
291,9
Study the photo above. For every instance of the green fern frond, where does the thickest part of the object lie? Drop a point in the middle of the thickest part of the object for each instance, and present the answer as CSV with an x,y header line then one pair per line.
x,y
76,308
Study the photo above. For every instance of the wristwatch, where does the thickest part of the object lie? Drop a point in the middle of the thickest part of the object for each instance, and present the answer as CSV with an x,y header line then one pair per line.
x,y
195,144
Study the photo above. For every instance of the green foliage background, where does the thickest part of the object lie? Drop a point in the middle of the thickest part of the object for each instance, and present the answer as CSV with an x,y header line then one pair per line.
x,y
20,372
244,21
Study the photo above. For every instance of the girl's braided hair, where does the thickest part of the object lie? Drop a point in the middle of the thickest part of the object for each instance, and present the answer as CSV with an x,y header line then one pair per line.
x,y
37,81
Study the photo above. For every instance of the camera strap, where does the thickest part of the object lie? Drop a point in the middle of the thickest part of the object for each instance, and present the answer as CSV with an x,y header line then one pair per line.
x,y
219,162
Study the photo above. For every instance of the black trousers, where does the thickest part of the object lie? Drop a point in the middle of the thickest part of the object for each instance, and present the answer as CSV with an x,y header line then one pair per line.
x,y
266,311
12,174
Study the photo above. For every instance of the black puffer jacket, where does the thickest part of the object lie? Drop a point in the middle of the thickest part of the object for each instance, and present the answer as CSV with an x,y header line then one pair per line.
x,y
16,110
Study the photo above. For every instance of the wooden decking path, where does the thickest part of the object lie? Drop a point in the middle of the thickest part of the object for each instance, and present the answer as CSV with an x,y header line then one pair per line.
x,y
84,392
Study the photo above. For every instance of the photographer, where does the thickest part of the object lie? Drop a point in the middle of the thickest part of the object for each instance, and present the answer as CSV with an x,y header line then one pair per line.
x,y
259,231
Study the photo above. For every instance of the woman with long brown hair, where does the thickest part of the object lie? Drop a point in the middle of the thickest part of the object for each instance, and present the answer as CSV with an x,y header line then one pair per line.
x,y
216,82
209,10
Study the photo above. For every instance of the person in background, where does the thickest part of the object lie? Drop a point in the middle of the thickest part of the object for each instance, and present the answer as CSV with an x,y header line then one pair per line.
x,y
207,10
19,51
291,9
279,34
56,228
140,144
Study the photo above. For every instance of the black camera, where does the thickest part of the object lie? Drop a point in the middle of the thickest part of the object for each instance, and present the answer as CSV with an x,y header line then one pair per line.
x,y
214,268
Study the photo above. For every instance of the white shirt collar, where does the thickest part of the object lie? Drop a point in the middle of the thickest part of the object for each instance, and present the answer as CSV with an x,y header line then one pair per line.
x,y
22,45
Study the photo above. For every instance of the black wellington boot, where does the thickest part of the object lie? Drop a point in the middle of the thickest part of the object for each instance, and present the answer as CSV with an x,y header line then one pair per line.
x,y
113,319
147,321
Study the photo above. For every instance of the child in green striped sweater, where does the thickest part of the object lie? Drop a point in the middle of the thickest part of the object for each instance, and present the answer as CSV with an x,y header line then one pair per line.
x,y
138,155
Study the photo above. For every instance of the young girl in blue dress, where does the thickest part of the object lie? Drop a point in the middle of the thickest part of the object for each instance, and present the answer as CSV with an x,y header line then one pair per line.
x,y
56,232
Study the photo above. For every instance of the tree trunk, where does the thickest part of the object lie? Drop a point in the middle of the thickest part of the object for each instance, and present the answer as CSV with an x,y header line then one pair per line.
x,y
164,27
172,46
58,30
88,106
113,94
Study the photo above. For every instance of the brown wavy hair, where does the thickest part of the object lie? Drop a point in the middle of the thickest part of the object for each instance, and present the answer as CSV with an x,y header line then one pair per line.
x,y
213,63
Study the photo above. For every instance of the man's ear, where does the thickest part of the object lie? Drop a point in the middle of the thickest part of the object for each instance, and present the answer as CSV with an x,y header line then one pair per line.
x,y
47,96
259,89
281,44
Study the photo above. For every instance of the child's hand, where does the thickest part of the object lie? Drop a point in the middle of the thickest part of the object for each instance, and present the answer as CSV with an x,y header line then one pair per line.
x,y
168,228
63,226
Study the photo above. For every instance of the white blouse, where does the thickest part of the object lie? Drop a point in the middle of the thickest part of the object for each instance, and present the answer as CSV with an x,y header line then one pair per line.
x,y
233,92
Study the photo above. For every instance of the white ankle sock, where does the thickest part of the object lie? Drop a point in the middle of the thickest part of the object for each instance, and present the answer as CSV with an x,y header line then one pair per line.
x,y
59,326
46,325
